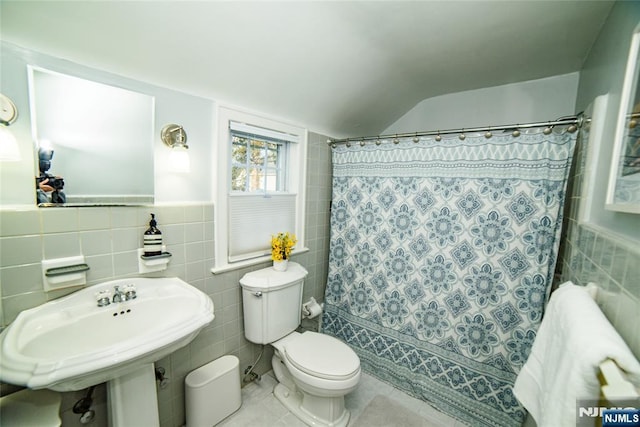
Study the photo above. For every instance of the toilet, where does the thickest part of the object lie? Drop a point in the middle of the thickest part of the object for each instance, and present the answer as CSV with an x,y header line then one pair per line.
x,y
314,371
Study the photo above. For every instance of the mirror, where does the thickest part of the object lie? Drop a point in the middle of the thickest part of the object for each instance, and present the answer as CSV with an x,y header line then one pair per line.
x,y
93,142
624,182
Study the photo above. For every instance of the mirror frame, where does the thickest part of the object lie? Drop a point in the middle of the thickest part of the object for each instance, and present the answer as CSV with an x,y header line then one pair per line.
x,y
144,128
630,85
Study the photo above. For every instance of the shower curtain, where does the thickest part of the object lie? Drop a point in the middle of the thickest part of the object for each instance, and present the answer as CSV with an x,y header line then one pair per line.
x,y
441,259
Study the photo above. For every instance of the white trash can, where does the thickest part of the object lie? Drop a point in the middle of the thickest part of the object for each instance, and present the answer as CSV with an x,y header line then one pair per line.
x,y
212,392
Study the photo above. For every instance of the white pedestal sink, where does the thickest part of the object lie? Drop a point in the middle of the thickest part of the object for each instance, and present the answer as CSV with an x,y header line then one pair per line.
x,y
71,344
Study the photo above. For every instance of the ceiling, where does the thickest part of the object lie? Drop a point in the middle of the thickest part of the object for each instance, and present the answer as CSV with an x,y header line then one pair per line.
x,y
344,68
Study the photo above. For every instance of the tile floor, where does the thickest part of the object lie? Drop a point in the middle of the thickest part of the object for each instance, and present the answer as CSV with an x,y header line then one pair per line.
x,y
260,408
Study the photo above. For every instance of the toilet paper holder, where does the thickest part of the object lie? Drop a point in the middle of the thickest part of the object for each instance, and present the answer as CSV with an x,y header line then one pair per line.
x,y
311,309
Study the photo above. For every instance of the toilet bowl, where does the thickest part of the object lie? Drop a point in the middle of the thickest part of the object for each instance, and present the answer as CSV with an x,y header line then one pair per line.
x,y
314,371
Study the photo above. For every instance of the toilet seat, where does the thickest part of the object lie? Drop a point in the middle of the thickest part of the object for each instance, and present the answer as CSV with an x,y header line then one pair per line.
x,y
322,356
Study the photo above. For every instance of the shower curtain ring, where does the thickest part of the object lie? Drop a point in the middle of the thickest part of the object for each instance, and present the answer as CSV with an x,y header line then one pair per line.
x,y
396,140
438,137
462,136
416,139
362,143
516,132
348,143
378,142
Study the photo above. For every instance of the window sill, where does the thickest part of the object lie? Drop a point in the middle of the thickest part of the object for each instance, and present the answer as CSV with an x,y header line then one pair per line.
x,y
249,262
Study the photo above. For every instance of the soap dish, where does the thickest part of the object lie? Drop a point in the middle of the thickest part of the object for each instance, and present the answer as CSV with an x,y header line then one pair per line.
x,y
151,263
62,273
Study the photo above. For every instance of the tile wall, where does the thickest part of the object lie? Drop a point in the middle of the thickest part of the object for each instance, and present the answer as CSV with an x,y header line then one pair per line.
x,y
589,253
109,238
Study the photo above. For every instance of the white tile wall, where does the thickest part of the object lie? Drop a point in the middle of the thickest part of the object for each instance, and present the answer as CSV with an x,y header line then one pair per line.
x,y
592,254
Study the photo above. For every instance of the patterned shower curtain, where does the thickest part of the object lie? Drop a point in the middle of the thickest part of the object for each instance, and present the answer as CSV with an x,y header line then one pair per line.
x,y
441,259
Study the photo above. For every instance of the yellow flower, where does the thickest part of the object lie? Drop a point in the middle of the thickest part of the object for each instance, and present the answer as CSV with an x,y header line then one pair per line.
x,y
281,245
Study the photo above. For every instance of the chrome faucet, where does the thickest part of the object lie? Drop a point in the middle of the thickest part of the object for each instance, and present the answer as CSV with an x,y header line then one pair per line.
x,y
118,295
124,293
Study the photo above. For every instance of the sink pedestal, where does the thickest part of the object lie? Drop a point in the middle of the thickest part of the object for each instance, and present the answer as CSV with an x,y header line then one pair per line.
x,y
132,399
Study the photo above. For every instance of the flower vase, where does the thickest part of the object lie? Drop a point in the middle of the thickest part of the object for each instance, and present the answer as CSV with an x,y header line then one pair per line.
x,y
280,265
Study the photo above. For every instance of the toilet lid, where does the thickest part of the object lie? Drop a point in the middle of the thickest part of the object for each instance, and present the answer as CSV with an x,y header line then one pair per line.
x,y
322,356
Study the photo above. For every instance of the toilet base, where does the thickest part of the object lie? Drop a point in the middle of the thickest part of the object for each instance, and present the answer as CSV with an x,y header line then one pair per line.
x,y
313,410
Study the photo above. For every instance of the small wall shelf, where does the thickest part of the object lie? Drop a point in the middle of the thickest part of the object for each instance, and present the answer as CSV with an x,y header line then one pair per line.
x,y
151,263
64,272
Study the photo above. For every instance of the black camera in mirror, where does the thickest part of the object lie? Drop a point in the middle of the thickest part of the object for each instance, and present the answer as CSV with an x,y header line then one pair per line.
x,y
48,187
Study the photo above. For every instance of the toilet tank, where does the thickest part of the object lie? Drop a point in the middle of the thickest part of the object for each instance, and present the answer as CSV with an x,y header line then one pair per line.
x,y
272,302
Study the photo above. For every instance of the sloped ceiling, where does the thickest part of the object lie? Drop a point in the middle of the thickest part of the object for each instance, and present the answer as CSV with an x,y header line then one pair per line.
x,y
343,68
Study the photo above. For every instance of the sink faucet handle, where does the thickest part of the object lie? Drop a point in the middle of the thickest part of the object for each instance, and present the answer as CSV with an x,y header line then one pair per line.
x,y
129,291
103,298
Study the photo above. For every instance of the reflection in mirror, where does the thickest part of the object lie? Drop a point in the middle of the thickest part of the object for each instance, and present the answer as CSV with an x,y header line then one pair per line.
x,y
630,156
630,160
94,142
624,182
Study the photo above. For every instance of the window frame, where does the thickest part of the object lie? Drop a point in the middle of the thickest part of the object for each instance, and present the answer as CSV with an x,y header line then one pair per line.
x,y
295,177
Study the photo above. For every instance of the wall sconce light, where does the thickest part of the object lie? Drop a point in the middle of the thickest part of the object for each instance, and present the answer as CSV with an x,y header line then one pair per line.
x,y
175,137
9,151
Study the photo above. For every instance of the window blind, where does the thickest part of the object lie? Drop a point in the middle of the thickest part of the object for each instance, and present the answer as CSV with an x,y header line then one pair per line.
x,y
261,133
253,219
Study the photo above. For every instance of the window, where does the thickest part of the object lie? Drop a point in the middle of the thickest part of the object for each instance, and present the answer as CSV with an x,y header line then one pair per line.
x,y
258,163
259,186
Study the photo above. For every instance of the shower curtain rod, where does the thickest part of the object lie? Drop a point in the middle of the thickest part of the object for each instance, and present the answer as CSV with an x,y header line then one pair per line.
x,y
576,121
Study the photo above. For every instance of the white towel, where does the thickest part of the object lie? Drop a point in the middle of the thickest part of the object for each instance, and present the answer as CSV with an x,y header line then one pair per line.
x,y
573,339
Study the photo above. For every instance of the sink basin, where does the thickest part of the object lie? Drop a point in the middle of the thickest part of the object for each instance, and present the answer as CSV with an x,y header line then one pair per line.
x,y
70,343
